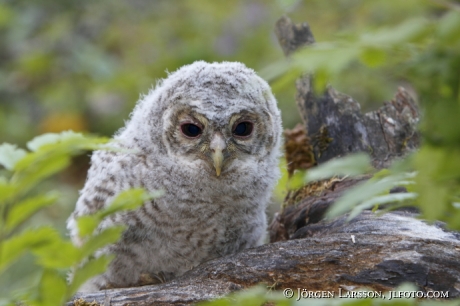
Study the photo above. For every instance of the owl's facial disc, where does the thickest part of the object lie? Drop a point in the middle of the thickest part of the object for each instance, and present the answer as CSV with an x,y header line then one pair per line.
x,y
217,141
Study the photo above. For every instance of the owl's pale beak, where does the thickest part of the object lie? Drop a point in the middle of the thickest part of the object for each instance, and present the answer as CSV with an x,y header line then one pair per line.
x,y
217,146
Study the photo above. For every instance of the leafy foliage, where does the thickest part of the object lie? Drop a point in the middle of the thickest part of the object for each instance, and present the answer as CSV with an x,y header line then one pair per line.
x,y
19,201
350,165
373,193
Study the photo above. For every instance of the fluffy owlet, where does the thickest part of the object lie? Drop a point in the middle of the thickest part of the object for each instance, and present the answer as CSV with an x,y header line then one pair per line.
x,y
209,136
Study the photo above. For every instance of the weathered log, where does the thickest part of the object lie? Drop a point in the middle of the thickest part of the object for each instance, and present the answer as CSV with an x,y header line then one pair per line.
x,y
376,252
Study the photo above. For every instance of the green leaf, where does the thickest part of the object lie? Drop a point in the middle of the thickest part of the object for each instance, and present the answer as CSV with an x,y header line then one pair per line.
x,y
129,200
448,27
90,269
366,191
275,70
42,140
324,59
284,80
256,295
7,191
126,200
30,239
353,164
297,180
373,57
320,80
10,155
58,254
67,138
105,237
253,296
87,224
40,170
26,208
53,288
6,14
51,154
67,141
46,244
438,181
280,189
287,5
408,31
379,200
7,302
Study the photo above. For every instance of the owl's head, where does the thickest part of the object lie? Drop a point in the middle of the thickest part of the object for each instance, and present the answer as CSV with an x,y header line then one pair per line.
x,y
209,115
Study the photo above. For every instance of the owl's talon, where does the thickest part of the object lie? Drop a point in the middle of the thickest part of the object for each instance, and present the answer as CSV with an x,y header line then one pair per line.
x,y
154,279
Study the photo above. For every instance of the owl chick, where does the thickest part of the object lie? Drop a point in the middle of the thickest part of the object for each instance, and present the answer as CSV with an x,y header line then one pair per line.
x,y
209,136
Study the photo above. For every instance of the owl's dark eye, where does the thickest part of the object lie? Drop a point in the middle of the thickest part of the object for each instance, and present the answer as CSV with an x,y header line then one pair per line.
x,y
243,129
190,130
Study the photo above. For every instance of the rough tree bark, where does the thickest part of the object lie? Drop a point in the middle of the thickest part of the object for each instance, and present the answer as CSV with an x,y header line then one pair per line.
x,y
337,127
378,252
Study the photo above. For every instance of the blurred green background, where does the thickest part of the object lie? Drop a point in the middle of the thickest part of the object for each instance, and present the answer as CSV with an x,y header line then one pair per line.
x,y
81,65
